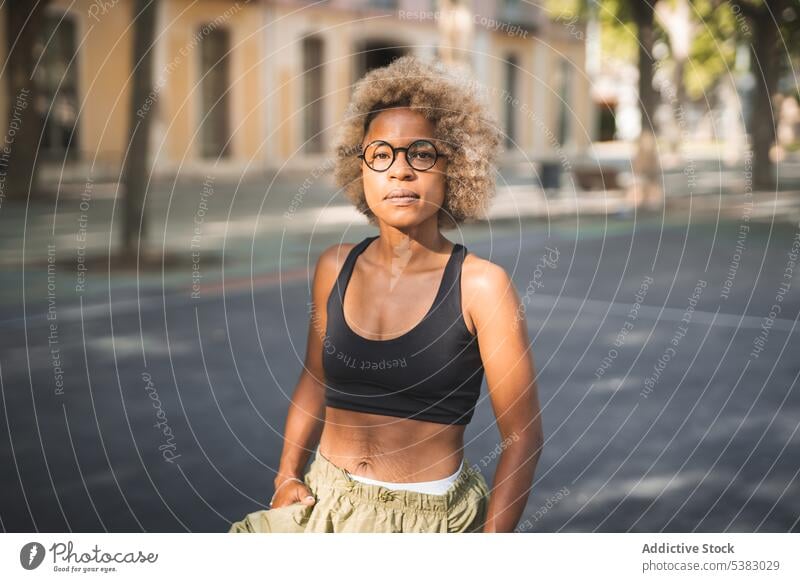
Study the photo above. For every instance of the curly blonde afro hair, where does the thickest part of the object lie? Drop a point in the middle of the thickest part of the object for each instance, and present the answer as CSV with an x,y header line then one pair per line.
x,y
464,128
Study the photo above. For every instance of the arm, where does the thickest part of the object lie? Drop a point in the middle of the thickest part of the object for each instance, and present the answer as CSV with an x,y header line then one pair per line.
x,y
510,374
304,423
306,416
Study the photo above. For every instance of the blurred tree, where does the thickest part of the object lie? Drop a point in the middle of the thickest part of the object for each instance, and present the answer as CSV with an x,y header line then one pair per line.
x,y
628,28
646,187
712,53
24,22
676,20
137,171
771,28
618,38
702,43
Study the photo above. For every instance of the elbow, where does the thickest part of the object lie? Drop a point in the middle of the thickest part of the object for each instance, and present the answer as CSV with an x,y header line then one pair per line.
x,y
532,441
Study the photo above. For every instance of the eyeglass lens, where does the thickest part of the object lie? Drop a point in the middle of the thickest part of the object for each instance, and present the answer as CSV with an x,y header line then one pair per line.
x,y
421,155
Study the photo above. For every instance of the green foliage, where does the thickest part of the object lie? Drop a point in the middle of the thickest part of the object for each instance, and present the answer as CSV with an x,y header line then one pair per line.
x,y
617,31
566,8
618,36
790,28
713,50
721,25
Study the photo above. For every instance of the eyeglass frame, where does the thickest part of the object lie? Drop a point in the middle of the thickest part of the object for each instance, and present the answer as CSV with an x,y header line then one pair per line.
x,y
405,149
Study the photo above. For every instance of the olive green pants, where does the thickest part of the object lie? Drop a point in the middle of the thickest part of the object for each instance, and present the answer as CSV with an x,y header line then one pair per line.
x,y
345,505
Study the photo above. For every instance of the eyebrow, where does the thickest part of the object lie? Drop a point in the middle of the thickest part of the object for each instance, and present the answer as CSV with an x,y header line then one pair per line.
x,y
430,139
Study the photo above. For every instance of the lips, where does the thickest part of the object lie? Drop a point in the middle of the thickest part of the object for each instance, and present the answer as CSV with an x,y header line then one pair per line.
x,y
401,193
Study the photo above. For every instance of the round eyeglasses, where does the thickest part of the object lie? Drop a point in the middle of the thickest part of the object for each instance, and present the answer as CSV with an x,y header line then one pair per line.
x,y
421,155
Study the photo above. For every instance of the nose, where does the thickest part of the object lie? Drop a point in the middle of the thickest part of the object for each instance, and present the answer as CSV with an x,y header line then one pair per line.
x,y
401,169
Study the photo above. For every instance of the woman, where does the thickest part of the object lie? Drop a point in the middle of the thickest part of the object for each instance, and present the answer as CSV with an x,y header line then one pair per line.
x,y
404,326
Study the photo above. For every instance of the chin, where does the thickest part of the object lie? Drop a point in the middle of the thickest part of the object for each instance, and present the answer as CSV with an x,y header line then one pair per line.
x,y
403,218
401,223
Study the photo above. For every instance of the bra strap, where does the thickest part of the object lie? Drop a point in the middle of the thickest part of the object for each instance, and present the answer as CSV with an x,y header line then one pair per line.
x,y
448,301
347,268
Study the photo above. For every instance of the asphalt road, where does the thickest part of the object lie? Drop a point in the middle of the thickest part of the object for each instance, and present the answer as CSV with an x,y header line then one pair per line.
x,y
686,420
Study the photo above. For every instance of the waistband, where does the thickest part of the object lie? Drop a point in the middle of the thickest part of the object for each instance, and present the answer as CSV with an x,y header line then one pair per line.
x,y
341,481
442,484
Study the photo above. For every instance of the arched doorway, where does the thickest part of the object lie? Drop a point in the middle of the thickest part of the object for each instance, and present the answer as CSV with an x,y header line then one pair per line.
x,y
57,79
375,53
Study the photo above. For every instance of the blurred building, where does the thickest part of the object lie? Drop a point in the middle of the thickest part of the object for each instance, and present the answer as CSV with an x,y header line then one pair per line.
x,y
261,84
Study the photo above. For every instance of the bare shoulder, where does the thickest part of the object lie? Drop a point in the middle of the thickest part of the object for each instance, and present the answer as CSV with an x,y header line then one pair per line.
x,y
333,257
327,268
485,285
483,279
329,263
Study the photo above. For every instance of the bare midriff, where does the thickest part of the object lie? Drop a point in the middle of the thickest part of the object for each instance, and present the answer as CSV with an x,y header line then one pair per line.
x,y
388,448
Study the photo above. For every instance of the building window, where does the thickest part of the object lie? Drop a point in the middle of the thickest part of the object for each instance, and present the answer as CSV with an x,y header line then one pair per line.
x,y
606,121
564,86
56,78
312,94
214,84
387,4
511,10
510,95
373,54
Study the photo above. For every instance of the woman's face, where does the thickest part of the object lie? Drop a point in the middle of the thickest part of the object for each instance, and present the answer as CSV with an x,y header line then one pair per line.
x,y
401,127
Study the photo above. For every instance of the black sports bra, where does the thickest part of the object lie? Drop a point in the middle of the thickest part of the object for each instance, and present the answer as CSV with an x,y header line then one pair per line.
x,y
434,372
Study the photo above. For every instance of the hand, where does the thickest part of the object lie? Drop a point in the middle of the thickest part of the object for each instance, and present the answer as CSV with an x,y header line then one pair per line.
x,y
289,491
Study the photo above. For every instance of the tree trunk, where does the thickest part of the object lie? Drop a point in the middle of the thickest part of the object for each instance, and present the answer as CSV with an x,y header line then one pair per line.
x,y
679,107
137,163
24,22
762,122
647,172
675,19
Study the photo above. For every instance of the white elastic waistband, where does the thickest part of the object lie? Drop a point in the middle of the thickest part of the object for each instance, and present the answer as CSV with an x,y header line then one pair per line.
x,y
437,487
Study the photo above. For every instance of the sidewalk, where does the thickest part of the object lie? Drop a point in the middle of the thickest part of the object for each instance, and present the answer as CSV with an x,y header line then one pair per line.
x,y
277,224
